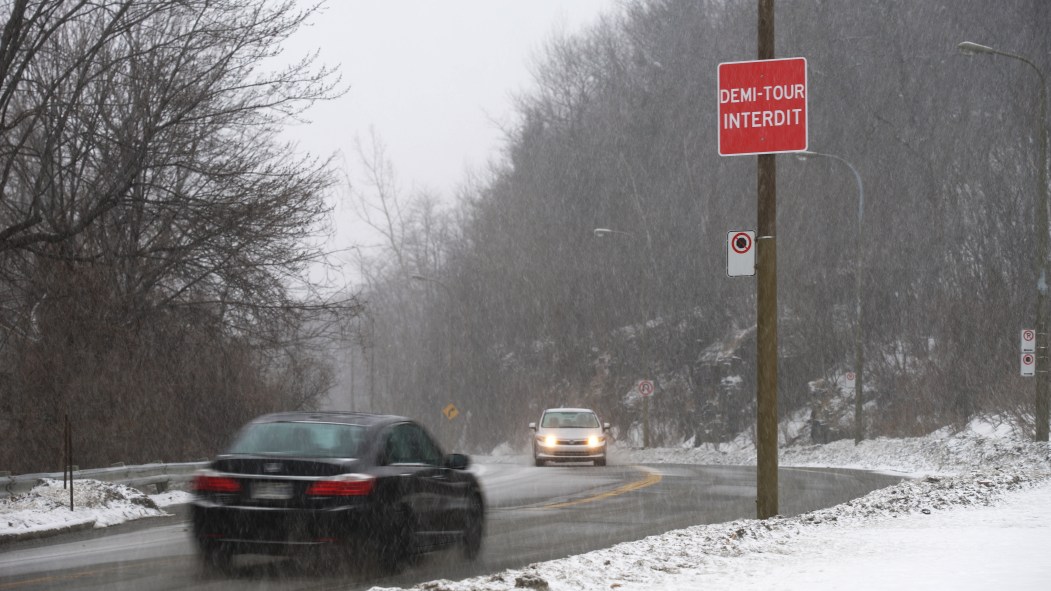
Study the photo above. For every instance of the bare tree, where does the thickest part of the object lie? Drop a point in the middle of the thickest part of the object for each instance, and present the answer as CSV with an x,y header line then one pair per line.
x,y
155,233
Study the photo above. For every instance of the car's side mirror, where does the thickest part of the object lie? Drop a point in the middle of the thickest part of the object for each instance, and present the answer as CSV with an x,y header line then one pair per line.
x,y
532,426
605,426
457,461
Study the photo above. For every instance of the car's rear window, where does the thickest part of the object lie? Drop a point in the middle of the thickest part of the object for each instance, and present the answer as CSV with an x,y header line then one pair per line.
x,y
301,439
581,420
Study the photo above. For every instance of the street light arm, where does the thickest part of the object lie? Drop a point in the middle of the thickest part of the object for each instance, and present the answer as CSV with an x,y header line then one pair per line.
x,y
971,48
857,178
600,232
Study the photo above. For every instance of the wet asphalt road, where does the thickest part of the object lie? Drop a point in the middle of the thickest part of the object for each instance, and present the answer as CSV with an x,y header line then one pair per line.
x,y
534,514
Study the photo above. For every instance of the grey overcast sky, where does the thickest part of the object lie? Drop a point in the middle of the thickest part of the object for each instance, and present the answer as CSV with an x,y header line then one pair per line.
x,y
433,78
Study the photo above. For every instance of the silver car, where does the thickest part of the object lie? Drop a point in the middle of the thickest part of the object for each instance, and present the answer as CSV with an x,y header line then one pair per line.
x,y
569,435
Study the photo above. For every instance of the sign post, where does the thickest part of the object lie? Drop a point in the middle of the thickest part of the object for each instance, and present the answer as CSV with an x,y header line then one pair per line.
x,y
763,111
645,389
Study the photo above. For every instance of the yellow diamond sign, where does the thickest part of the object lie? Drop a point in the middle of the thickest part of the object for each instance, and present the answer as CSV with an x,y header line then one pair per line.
x,y
450,412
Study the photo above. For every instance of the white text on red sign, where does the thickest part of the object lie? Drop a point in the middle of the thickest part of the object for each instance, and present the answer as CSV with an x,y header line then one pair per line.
x,y
762,106
764,118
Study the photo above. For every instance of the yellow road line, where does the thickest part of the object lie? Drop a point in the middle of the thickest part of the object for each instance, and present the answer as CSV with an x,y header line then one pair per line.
x,y
652,477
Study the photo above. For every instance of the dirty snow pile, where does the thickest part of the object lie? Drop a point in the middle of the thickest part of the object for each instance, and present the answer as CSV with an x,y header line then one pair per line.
x,y
981,518
95,504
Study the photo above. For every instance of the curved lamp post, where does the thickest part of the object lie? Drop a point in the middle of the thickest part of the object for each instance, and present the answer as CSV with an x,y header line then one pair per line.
x,y
859,360
600,233
1043,255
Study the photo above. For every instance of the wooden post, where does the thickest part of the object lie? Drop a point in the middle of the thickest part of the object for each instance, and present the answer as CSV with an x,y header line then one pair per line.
x,y
766,305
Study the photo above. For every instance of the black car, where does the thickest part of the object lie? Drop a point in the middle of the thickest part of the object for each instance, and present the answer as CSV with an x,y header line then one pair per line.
x,y
372,485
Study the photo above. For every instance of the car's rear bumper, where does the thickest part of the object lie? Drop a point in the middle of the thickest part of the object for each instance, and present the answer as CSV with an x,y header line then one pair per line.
x,y
267,530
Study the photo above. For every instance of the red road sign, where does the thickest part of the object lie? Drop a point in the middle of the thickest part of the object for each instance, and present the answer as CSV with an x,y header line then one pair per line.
x,y
645,387
741,242
762,107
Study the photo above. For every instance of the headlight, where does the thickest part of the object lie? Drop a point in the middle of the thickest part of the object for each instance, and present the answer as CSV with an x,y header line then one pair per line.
x,y
595,441
550,441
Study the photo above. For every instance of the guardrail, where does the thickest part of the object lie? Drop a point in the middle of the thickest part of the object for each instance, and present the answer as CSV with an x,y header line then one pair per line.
x,y
159,475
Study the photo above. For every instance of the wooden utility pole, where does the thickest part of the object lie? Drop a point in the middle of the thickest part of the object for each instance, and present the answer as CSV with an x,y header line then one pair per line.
x,y
766,305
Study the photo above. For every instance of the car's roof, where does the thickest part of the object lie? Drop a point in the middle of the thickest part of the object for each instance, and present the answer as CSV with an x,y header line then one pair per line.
x,y
567,409
350,418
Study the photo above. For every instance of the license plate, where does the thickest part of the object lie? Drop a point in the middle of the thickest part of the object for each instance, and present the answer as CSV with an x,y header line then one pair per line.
x,y
272,491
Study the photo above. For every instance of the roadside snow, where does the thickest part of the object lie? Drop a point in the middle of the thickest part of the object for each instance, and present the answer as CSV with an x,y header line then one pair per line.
x,y
976,515
980,519
95,504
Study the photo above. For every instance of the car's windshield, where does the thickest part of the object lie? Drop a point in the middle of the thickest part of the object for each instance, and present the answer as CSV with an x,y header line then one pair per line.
x,y
570,420
302,439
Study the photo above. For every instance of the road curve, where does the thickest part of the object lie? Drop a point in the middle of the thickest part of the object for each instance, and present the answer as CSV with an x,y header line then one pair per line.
x,y
534,514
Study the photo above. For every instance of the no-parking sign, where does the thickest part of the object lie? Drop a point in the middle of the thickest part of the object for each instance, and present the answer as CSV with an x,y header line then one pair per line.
x,y
740,253
1028,340
1028,365
645,388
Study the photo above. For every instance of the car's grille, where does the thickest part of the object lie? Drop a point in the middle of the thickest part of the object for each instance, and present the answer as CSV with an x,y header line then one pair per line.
x,y
572,454
572,441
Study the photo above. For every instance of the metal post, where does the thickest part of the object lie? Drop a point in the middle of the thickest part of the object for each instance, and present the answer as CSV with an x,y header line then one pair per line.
x,y
766,305
65,451
645,422
1043,254
69,458
1042,262
859,358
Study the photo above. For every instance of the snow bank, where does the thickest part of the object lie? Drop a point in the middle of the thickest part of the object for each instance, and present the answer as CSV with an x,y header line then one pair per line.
x,y
983,465
95,504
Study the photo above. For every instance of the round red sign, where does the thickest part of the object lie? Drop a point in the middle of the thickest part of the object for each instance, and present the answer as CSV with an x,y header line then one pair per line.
x,y
741,242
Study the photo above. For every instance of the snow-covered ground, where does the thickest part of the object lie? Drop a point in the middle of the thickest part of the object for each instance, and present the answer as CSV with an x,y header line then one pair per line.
x,y
45,509
975,514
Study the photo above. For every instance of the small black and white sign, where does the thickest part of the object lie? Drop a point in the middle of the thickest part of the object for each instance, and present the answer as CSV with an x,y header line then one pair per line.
x,y
1028,340
1028,365
740,253
645,388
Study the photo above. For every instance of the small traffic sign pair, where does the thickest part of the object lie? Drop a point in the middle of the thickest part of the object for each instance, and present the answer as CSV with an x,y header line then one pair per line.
x,y
1028,352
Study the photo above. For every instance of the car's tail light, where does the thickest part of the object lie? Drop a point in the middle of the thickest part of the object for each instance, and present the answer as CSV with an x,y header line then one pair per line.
x,y
347,485
211,483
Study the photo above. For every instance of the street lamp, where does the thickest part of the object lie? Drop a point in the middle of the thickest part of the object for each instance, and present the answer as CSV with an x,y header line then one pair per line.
x,y
1043,254
599,233
859,428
